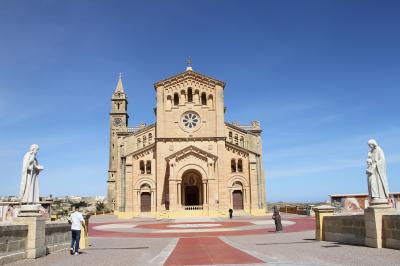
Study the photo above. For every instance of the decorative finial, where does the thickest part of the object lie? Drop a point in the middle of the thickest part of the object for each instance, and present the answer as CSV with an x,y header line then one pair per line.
x,y
120,87
189,64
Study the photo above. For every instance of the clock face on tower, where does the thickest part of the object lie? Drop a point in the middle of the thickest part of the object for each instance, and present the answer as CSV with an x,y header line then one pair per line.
x,y
117,122
190,121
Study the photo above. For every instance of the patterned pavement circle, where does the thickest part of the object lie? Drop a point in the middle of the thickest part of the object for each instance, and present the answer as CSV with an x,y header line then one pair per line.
x,y
196,229
193,225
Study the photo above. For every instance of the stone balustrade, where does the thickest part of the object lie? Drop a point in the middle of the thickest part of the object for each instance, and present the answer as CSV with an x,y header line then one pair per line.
x,y
194,208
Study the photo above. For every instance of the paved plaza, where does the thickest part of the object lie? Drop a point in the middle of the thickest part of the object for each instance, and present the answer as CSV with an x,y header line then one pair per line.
x,y
212,241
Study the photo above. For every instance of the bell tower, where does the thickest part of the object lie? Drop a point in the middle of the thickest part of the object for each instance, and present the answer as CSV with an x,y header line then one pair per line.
x,y
118,121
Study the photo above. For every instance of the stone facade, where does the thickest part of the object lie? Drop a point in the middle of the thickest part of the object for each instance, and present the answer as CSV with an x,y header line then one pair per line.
x,y
190,161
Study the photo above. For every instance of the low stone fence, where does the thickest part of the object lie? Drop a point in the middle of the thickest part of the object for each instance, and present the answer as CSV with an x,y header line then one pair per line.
x,y
13,240
378,227
345,229
391,231
58,236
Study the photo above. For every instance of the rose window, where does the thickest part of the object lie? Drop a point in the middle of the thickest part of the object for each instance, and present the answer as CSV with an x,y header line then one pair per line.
x,y
190,120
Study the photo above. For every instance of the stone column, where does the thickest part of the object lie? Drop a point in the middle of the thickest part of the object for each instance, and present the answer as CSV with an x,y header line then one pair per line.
x,y
152,198
373,224
205,198
320,213
179,195
35,245
172,195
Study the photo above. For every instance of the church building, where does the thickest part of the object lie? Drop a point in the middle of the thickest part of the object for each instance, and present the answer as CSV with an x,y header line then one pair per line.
x,y
190,161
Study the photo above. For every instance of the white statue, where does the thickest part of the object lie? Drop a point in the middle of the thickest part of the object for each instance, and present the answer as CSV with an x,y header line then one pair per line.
x,y
29,191
376,171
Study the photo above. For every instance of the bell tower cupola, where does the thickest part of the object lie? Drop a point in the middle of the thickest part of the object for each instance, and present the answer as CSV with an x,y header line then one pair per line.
x,y
119,106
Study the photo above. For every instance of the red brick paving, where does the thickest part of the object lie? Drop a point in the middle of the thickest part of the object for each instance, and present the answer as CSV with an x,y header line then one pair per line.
x,y
302,224
206,251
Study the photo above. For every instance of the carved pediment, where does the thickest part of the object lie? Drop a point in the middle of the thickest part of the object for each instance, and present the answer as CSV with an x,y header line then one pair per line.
x,y
191,76
142,152
236,149
192,151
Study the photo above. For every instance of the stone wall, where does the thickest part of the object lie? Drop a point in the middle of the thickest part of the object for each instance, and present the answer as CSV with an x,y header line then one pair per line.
x,y
345,229
391,231
12,242
58,236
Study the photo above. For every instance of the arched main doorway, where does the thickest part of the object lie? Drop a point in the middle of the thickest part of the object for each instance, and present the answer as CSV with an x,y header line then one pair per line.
x,y
237,196
192,189
145,198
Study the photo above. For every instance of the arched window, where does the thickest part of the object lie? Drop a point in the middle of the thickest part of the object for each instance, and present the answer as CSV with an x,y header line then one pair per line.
x,y
230,136
150,138
118,104
203,99
241,143
141,166
148,167
233,165
144,141
183,97
139,143
176,98
210,101
236,139
240,165
168,103
196,97
190,95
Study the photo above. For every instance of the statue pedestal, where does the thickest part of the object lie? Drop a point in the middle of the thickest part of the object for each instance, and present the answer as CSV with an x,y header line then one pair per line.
x,y
320,213
29,210
35,243
373,223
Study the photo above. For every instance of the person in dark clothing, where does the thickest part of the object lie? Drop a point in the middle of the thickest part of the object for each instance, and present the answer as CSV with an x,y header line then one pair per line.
x,y
230,213
277,218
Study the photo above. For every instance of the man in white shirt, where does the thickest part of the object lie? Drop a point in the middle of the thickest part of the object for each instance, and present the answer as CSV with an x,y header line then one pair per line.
x,y
76,220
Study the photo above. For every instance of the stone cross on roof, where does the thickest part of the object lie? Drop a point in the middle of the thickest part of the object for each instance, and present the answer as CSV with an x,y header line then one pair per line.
x,y
189,64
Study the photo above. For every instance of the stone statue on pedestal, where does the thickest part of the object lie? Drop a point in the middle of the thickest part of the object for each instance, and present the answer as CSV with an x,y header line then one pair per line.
x,y
376,171
29,191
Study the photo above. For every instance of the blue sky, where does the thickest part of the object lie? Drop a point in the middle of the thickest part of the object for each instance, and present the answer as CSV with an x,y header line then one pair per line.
x,y
321,76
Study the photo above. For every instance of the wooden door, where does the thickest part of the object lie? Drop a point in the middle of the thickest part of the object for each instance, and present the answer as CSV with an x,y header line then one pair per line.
x,y
237,198
145,202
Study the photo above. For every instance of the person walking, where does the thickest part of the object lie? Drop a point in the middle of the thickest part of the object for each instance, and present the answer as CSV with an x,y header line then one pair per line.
x,y
76,220
277,218
230,213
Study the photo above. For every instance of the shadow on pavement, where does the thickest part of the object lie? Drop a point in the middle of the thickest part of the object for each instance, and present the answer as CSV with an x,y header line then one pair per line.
x,y
331,246
284,243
